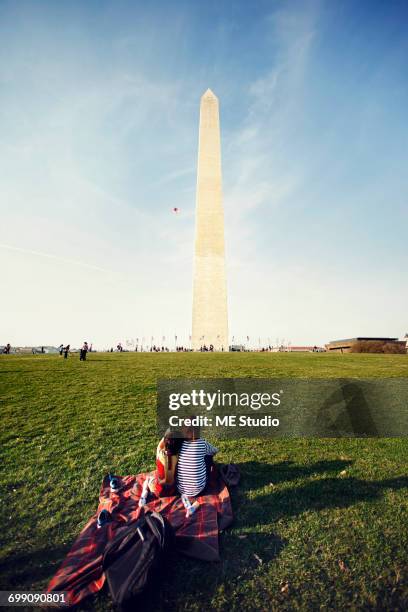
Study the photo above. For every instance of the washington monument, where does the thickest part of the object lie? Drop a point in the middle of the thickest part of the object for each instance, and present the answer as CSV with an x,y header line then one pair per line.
x,y
210,316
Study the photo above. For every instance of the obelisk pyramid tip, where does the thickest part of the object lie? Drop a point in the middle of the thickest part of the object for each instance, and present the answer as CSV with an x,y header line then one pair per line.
x,y
209,94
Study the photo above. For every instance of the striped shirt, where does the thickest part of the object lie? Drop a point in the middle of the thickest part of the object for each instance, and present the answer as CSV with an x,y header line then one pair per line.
x,y
191,468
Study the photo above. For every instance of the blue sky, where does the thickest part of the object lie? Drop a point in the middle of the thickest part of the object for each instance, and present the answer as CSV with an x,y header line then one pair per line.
x,y
99,107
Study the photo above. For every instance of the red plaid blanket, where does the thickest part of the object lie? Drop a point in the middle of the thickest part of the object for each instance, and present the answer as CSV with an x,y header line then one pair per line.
x,y
81,573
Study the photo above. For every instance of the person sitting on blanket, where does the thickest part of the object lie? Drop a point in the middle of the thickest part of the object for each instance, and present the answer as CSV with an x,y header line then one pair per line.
x,y
193,463
163,481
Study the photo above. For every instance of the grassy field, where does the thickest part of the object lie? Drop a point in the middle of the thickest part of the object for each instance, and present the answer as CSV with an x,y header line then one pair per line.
x,y
319,523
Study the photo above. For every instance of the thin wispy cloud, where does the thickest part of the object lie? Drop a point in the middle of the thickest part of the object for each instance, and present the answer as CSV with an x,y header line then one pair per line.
x,y
73,262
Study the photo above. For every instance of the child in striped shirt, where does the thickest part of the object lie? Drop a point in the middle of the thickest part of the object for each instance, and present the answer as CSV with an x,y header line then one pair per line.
x,y
192,469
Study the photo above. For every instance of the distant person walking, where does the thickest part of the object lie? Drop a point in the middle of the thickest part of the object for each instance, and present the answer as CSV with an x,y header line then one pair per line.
x,y
7,348
83,352
61,349
66,351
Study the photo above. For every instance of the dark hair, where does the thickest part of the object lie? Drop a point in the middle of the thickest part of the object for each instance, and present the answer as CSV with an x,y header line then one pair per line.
x,y
191,432
172,442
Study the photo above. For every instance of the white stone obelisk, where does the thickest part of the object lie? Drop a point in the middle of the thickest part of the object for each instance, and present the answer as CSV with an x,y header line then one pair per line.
x,y
210,316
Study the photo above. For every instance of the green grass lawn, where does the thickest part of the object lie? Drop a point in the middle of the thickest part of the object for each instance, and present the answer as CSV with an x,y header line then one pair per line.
x,y
319,523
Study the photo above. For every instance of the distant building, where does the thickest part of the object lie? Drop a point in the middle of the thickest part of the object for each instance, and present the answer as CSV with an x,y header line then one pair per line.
x,y
38,350
237,348
345,346
305,349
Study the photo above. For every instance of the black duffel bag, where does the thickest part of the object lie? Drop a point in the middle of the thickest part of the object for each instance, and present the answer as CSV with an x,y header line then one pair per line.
x,y
133,561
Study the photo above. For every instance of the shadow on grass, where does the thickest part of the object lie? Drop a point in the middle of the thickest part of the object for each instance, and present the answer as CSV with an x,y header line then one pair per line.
x,y
251,543
255,474
316,495
31,567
